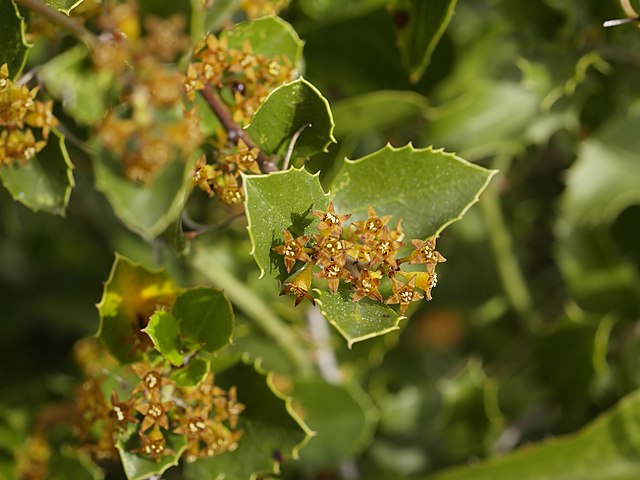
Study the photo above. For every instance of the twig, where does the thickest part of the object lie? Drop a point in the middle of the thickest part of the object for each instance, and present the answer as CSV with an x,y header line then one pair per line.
x,y
69,24
292,144
232,128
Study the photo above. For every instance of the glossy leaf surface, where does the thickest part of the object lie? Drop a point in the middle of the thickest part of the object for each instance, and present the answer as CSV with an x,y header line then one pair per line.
x,y
357,321
287,109
275,202
426,188
130,296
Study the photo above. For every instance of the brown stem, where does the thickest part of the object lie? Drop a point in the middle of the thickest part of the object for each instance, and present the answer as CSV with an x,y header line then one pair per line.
x,y
69,24
232,128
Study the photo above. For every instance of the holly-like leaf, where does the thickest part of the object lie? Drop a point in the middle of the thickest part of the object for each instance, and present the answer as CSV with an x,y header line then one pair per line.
x,y
64,6
130,296
138,466
605,178
277,201
357,321
268,36
272,431
377,111
205,317
342,417
600,450
428,189
419,26
281,116
14,46
149,209
70,80
44,183
191,375
164,331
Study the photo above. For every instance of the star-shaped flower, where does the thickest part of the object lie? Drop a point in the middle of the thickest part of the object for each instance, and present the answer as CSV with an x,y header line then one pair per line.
x,y
425,252
404,294
300,286
367,285
292,250
330,221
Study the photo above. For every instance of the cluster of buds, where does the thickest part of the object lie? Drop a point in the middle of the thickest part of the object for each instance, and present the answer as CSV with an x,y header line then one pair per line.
x,y
222,178
206,415
262,8
25,122
243,78
154,130
361,255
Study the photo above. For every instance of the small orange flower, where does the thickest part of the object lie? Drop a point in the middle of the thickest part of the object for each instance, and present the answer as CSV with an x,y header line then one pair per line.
x,y
425,252
292,250
404,294
155,413
330,221
333,272
367,285
300,286
373,225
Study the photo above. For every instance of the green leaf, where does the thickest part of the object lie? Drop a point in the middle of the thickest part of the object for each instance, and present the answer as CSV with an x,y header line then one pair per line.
x,y
149,209
64,6
357,321
428,189
130,296
271,430
605,178
70,80
277,201
164,331
191,375
600,450
44,183
378,111
139,467
205,317
268,36
284,112
14,46
67,462
419,26
343,419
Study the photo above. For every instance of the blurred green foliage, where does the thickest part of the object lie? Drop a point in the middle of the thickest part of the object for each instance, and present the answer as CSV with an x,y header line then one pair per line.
x,y
533,331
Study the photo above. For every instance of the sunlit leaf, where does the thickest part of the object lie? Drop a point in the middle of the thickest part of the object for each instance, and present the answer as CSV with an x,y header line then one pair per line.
x,y
191,375
164,331
277,201
357,321
44,183
268,36
281,116
130,296
428,189
205,318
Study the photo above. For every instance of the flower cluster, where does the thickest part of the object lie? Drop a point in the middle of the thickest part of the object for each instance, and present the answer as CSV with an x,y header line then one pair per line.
x,y
223,177
206,415
361,255
25,122
153,129
244,78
